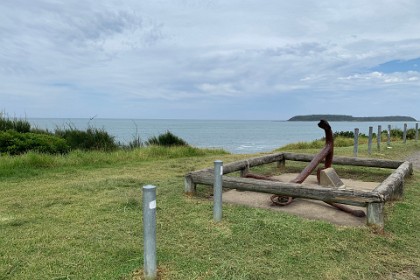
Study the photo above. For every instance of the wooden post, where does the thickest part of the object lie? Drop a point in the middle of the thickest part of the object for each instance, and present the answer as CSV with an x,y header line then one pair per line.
x,y
370,140
378,138
189,185
244,171
356,142
375,215
405,133
389,136
281,164
417,131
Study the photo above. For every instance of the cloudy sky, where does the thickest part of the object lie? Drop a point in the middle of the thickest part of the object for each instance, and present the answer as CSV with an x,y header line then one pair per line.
x,y
209,59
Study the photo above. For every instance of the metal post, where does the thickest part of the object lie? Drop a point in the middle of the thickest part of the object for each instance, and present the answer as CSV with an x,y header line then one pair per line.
x,y
370,140
378,138
405,133
389,136
417,131
217,190
149,232
356,142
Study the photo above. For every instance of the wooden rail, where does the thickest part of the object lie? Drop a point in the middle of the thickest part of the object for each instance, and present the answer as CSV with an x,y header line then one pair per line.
x,y
391,188
310,191
368,162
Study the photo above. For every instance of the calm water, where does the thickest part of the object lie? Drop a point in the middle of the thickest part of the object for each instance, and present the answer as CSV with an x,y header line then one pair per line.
x,y
234,136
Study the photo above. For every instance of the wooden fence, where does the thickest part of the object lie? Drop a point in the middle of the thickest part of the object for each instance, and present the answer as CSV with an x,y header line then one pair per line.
x,y
391,188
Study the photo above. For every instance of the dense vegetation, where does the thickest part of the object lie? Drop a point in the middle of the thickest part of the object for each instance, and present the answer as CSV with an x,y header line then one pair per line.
x,y
349,118
18,137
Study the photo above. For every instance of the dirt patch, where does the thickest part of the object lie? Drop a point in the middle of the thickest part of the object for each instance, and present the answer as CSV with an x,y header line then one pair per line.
x,y
310,209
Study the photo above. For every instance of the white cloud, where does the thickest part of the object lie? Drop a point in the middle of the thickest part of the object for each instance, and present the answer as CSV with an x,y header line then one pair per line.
x,y
190,50
379,77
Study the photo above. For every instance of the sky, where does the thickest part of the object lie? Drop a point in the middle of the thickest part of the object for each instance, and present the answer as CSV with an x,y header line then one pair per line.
x,y
205,59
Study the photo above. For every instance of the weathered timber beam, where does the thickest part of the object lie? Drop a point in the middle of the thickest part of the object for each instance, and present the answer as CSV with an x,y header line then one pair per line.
x,y
243,164
310,191
189,185
368,162
375,216
392,187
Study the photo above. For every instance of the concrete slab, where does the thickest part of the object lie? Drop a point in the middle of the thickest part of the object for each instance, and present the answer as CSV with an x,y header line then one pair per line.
x,y
310,209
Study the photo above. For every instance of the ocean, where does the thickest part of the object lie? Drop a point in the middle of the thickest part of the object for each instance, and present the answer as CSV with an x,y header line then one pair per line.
x,y
235,136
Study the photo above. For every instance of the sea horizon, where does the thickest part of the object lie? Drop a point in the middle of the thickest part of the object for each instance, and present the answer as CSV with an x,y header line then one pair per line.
x,y
235,136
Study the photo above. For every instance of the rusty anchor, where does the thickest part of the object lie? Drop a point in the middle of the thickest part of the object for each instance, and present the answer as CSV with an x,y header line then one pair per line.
x,y
326,155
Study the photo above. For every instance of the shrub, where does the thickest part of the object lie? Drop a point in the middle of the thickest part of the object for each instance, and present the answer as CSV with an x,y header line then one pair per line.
x,y
345,134
135,143
397,133
14,124
14,143
167,139
91,139
411,133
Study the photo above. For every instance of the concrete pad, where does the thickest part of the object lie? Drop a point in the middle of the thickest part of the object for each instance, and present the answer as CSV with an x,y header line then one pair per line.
x,y
310,209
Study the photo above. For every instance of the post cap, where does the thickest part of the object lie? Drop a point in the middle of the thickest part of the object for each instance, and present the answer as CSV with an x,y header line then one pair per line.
x,y
149,187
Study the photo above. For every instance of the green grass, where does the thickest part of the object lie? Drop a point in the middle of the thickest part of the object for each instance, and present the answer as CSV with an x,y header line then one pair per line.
x,y
78,216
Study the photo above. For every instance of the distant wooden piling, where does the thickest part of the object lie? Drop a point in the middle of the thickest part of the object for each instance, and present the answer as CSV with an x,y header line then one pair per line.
x,y
356,142
388,143
370,140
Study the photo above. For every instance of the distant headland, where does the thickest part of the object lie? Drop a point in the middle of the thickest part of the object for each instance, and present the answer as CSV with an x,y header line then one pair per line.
x,y
348,118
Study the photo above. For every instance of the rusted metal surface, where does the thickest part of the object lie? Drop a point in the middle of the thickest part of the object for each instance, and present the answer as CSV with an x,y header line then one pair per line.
x,y
326,155
281,200
354,212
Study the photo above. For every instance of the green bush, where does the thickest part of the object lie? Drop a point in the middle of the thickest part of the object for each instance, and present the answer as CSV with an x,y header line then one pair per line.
x,y
91,139
14,143
397,133
135,143
411,133
14,124
167,139
345,134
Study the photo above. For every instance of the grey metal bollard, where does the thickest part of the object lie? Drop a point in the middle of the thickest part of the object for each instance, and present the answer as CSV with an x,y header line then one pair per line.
x,y
217,191
417,131
405,133
149,232
389,136
370,140
378,138
356,142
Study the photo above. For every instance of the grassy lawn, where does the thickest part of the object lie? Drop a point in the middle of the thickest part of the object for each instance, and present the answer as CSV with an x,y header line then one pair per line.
x,y
79,217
